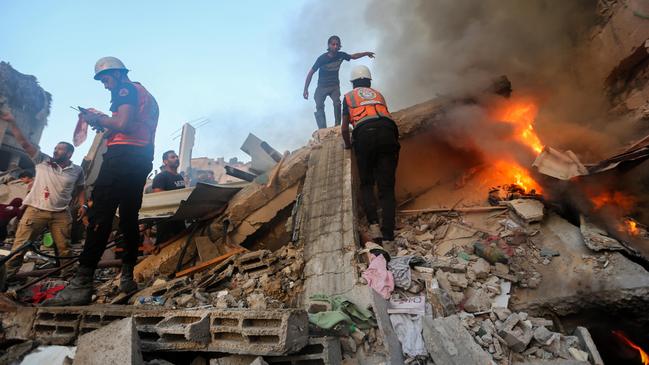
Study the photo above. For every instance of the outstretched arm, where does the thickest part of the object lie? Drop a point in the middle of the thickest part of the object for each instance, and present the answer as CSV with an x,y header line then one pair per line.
x,y
20,137
307,82
356,56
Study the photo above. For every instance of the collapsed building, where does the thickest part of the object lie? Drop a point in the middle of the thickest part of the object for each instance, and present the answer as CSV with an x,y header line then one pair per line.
x,y
508,251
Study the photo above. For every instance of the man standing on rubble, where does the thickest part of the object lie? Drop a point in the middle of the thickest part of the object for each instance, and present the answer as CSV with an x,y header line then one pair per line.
x,y
120,183
168,179
375,138
328,82
57,181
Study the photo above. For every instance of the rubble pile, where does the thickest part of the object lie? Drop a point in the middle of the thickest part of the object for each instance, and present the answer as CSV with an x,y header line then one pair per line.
x,y
256,280
467,265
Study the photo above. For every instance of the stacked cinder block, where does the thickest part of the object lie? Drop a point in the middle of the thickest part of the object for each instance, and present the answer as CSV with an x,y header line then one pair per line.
x,y
255,263
242,331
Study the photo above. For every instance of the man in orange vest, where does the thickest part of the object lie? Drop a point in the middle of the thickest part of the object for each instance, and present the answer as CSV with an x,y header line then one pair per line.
x,y
375,138
130,133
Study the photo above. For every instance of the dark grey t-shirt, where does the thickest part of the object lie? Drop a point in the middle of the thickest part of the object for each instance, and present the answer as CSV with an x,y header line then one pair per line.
x,y
329,67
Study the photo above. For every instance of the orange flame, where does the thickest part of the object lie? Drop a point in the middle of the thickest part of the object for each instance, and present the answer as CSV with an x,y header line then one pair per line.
x,y
643,355
512,172
616,198
630,226
522,115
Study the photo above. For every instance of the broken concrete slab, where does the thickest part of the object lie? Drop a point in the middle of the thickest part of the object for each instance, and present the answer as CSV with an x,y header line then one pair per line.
x,y
477,300
596,238
572,282
448,342
263,215
327,233
163,262
528,211
586,343
255,195
116,343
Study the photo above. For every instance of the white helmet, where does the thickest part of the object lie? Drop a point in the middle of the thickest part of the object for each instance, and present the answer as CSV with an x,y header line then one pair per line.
x,y
360,72
108,63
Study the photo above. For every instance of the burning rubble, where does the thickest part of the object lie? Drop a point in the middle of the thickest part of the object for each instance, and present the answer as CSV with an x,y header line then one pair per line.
x,y
489,262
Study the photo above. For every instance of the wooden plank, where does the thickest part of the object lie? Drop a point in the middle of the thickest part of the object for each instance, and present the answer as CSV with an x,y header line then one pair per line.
x,y
206,264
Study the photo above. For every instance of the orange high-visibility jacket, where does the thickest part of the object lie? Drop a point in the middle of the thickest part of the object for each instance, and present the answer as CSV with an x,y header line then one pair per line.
x,y
142,132
364,104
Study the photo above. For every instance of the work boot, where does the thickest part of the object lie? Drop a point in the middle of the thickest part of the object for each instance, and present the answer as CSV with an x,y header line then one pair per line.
x,y
78,292
126,283
375,233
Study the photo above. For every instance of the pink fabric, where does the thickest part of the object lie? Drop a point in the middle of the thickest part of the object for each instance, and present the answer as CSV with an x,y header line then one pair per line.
x,y
80,131
379,277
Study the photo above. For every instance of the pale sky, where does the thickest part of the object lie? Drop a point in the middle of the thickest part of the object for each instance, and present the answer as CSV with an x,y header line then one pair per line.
x,y
241,64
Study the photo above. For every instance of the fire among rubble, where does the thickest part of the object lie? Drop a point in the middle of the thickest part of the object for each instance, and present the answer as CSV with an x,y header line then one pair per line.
x,y
618,199
513,173
630,226
522,115
644,357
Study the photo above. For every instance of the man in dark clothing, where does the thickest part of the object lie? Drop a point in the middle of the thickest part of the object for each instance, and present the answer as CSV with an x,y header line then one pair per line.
x,y
168,179
328,83
376,146
126,164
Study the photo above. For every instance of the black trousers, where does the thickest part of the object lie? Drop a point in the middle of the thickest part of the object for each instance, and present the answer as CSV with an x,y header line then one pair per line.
x,y
376,145
120,184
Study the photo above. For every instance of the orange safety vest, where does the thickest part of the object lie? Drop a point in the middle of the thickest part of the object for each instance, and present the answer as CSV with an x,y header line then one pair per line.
x,y
364,104
142,131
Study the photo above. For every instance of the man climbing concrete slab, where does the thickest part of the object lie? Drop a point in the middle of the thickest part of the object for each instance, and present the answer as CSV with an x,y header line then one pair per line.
x,y
328,65
375,138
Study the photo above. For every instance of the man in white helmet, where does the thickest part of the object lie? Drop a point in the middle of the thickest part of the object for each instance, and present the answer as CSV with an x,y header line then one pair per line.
x,y
130,133
375,138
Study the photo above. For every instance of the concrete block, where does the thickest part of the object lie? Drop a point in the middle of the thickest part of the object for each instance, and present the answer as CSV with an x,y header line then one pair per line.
x,y
448,342
255,263
17,325
586,342
116,343
319,350
185,328
269,332
56,325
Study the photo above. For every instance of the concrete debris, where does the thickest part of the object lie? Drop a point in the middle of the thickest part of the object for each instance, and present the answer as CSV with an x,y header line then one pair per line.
x,y
596,238
448,342
115,343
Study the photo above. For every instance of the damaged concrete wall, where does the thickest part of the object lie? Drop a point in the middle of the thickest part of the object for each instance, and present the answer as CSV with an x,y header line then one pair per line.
x,y
619,49
30,105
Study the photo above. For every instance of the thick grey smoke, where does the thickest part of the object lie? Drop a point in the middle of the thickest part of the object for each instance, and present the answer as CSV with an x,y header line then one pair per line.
x,y
456,47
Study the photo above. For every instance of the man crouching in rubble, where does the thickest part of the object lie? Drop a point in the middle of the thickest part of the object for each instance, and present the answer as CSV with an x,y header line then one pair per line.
x,y
376,146
57,180
120,183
